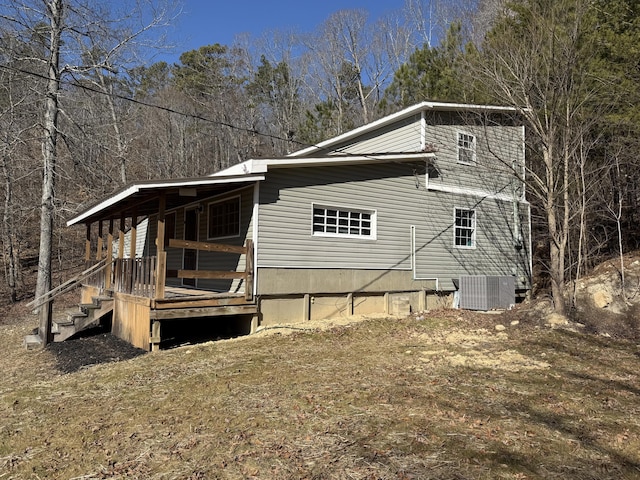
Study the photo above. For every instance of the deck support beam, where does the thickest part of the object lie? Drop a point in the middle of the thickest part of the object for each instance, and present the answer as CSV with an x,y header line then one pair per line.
x,y
155,335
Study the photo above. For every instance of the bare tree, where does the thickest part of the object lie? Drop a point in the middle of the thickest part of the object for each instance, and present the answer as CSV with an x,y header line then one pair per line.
x,y
538,64
65,27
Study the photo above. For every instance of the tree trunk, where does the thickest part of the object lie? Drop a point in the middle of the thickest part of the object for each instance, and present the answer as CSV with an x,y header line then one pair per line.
x,y
8,236
49,157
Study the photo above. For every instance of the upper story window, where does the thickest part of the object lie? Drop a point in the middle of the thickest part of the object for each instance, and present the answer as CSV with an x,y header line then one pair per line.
x,y
343,222
466,148
464,228
224,218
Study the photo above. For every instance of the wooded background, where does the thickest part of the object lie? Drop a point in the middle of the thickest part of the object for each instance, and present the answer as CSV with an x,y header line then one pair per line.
x,y
83,111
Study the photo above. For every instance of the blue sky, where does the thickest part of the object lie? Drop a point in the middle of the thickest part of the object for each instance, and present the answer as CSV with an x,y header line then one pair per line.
x,y
205,22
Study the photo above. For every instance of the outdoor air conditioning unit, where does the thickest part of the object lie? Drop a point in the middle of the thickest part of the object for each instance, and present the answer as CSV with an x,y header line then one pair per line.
x,y
486,292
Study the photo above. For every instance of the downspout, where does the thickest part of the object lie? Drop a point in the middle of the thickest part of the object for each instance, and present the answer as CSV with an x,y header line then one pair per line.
x,y
423,131
254,234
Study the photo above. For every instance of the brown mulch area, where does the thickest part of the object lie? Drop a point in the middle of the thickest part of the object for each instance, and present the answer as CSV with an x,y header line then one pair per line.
x,y
90,350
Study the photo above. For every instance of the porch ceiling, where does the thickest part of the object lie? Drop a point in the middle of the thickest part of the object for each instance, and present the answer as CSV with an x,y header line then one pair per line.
x,y
143,197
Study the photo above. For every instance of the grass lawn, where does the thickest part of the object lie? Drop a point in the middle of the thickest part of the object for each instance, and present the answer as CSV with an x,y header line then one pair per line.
x,y
445,397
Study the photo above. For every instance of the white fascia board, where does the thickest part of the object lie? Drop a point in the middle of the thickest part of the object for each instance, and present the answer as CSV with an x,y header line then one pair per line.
x,y
407,112
504,197
135,188
248,167
352,160
266,164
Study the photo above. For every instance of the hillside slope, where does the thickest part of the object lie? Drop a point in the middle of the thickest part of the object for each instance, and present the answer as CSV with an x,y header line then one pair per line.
x,y
448,396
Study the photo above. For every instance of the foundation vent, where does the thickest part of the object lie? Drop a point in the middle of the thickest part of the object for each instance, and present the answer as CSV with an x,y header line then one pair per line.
x,y
486,292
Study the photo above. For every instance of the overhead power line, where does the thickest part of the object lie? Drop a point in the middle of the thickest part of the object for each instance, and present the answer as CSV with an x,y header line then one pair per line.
x,y
252,131
159,107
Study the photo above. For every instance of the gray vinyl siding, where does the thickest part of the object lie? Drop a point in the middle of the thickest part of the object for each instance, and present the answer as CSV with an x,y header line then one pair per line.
x,y
497,233
499,150
226,261
402,136
285,218
397,193
209,260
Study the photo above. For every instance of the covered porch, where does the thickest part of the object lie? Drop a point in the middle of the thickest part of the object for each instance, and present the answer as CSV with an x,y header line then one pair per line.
x,y
136,275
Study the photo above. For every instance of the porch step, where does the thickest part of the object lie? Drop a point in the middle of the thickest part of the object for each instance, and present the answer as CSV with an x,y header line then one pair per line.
x,y
33,341
88,315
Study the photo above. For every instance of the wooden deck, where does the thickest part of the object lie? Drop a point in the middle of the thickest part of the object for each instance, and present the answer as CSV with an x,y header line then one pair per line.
x,y
180,302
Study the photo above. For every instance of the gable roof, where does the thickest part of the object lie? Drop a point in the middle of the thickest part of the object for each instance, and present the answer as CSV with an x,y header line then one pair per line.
x,y
402,114
143,195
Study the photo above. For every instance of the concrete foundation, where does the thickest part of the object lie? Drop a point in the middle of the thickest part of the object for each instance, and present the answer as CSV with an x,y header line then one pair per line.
x,y
299,308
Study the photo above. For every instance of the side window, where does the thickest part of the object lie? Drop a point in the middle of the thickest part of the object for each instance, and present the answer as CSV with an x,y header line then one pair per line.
x,y
466,148
224,218
343,222
464,228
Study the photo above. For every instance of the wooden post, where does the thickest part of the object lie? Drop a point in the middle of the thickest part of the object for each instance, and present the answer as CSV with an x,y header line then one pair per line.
x,y
100,242
156,333
248,269
46,321
87,247
121,237
161,266
118,271
109,268
350,304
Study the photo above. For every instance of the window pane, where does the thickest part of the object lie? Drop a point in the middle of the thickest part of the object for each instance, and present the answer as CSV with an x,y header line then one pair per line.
x,y
224,218
464,228
342,222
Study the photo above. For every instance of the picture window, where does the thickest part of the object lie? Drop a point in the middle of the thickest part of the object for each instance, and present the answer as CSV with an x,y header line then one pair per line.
x,y
331,221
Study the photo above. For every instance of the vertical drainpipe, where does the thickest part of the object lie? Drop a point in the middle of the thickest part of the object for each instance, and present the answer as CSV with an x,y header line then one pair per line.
x,y
423,131
254,233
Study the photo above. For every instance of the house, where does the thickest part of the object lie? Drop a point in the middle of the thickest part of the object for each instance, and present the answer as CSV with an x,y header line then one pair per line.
x,y
389,217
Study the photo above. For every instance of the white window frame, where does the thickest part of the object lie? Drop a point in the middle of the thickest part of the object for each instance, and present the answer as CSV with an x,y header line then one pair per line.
x,y
473,228
466,142
223,200
343,214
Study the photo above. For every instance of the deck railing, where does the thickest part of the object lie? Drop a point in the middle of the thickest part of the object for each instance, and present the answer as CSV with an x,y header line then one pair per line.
x,y
138,276
246,275
135,276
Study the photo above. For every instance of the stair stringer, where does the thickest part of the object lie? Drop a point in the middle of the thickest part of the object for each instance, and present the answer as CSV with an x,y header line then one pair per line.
x,y
88,315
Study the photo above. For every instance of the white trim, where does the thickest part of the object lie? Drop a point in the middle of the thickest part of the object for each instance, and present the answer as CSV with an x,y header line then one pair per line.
x,y
473,147
223,199
474,229
136,188
263,165
255,213
473,192
423,131
407,112
373,219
